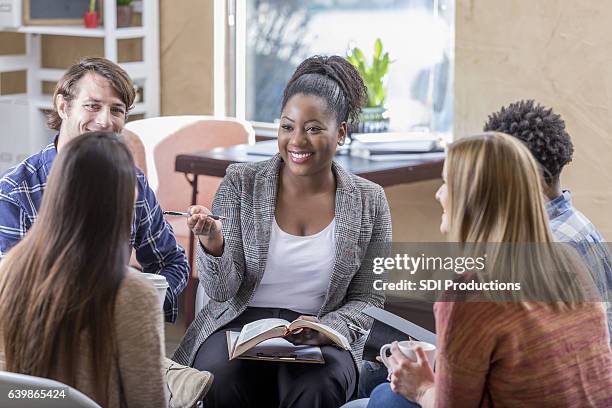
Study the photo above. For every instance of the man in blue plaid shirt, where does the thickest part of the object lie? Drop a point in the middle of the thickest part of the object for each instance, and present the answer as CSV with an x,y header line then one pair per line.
x,y
543,132
93,95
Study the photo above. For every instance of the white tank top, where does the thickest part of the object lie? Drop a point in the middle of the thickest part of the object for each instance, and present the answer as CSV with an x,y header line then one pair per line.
x,y
298,270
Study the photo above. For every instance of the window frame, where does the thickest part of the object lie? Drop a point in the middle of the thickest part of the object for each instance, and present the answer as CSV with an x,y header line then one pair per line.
x,y
230,65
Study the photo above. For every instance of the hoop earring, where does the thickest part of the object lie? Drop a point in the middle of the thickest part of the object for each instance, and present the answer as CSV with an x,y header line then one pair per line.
x,y
341,142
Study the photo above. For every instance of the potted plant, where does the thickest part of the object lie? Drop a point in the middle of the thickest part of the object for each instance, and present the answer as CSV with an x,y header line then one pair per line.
x,y
124,13
373,117
91,17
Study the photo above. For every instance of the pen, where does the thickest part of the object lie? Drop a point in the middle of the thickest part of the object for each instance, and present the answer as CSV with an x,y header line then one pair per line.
x,y
184,214
357,329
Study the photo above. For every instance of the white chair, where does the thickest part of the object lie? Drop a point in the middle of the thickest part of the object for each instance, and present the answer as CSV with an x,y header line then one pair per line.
x,y
162,139
18,383
166,136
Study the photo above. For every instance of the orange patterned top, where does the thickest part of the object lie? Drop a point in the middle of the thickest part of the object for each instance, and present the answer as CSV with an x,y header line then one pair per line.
x,y
507,355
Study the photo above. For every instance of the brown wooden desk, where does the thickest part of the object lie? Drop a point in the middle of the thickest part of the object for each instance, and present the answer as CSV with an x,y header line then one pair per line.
x,y
214,163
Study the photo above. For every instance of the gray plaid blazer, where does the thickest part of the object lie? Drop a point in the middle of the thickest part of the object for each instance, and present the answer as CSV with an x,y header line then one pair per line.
x,y
247,198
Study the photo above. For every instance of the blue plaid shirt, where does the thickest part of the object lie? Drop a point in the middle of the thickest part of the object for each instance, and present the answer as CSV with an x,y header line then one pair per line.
x,y
21,191
571,226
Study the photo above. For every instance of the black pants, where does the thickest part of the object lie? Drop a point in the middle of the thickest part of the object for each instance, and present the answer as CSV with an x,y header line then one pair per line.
x,y
264,384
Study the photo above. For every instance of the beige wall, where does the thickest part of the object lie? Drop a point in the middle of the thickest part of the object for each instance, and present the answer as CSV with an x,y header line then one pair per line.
x,y
414,212
186,53
557,52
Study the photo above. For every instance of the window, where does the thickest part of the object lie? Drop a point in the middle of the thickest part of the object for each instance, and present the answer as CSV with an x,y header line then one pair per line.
x,y
273,36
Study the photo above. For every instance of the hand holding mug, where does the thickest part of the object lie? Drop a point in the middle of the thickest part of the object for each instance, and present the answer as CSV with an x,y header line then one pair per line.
x,y
410,367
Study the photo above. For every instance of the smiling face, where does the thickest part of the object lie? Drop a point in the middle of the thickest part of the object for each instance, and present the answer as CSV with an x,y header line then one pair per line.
x,y
442,197
308,135
96,106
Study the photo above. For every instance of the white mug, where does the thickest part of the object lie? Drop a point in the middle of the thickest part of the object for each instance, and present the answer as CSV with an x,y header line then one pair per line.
x,y
407,348
158,281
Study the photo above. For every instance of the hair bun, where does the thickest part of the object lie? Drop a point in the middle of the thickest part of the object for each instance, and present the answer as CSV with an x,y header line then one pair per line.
x,y
342,86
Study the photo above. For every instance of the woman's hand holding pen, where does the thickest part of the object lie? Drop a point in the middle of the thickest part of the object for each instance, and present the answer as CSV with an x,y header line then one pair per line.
x,y
206,229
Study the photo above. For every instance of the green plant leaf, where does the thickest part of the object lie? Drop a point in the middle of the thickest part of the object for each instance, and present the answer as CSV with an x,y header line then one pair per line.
x,y
377,49
357,59
373,74
359,55
384,65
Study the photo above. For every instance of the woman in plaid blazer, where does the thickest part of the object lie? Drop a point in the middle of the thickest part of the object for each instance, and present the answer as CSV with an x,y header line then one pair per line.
x,y
298,194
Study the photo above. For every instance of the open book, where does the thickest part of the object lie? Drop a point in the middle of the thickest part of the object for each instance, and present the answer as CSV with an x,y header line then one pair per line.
x,y
264,329
277,349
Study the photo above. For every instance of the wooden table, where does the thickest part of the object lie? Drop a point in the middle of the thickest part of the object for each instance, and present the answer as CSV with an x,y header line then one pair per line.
x,y
214,163
386,173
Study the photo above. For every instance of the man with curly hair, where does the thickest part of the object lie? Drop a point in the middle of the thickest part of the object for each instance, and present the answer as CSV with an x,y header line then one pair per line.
x,y
543,132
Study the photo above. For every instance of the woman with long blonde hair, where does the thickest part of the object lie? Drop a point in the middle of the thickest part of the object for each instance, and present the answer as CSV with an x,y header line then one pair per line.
x,y
69,310
546,345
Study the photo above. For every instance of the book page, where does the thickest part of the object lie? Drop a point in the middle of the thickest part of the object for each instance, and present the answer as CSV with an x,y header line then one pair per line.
x,y
251,330
258,331
335,336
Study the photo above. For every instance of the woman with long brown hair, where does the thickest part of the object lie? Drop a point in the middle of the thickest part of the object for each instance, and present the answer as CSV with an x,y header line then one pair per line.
x,y
69,310
546,345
